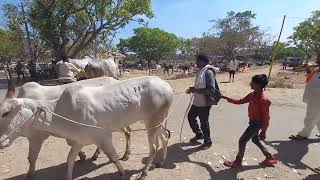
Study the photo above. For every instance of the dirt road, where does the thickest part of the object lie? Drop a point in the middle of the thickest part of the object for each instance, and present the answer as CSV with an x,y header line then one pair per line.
x,y
185,161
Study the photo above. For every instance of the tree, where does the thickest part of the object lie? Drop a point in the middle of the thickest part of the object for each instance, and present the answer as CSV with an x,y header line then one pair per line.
x,y
69,26
187,48
150,44
236,33
283,50
307,35
11,47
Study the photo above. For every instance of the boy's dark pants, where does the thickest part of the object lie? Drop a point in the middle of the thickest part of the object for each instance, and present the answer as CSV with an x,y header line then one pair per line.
x,y
252,132
203,114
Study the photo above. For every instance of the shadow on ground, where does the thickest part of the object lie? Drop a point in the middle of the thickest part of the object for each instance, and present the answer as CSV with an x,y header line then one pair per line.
x,y
176,154
291,152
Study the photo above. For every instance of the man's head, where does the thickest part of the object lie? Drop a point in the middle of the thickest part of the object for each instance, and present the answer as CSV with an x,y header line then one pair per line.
x,y
259,82
65,59
202,60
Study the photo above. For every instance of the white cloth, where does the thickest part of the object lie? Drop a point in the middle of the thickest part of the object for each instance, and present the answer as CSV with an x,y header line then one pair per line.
x,y
200,83
66,69
233,65
312,98
312,90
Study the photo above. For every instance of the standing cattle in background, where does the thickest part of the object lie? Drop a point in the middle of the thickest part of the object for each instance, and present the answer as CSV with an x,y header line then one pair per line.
x,y
166,68
102,67
185,68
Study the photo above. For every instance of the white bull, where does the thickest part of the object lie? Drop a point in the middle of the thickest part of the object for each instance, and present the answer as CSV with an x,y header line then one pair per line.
x,y
81,63
98,67
109,108
102,67
36,91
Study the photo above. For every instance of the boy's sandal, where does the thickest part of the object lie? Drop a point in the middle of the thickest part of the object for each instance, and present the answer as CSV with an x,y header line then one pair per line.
x,y
232,164
297,137
269,162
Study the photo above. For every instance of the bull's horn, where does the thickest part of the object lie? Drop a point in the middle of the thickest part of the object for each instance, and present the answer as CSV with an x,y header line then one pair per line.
x,y
11,89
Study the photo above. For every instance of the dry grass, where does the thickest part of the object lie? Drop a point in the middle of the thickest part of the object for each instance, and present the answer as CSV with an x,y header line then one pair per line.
x,y
286,79
181,76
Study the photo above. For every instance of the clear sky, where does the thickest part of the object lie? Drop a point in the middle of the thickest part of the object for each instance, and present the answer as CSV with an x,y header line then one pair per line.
x,y
190,18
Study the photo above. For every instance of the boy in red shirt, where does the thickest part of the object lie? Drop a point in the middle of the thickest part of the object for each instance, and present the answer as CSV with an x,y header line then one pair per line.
x,y
258,120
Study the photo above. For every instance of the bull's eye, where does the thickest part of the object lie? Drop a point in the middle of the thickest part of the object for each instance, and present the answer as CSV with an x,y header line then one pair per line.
x,y
5,114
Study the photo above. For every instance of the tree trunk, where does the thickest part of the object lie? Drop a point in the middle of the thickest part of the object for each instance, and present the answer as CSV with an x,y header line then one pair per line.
x,y
318,56
59,53
8,71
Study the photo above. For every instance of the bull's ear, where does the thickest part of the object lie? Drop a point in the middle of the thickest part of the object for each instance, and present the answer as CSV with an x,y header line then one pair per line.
x,y
11,89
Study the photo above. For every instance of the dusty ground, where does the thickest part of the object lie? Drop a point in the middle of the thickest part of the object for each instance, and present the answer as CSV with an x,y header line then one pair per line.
x,y
185,161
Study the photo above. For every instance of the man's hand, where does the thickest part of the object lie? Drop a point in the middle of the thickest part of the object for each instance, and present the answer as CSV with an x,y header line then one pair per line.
x,y
262,135
191,90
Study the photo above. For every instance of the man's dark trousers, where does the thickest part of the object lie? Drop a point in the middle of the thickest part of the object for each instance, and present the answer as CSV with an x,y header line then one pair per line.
x,y
203,114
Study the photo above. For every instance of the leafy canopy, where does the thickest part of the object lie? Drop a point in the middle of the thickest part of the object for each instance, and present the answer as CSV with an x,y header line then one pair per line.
x,y
150,44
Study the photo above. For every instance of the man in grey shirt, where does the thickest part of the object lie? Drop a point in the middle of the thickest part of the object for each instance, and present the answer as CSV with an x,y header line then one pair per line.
x,y
206,93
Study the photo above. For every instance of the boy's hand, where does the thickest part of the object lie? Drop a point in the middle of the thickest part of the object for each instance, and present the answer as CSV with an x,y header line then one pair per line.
x,y
262,135
224,97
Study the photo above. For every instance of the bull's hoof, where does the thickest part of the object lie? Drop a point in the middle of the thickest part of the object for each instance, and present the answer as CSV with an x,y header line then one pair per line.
x,y
30,176
124,158
159,164
122,174
82,157
94,157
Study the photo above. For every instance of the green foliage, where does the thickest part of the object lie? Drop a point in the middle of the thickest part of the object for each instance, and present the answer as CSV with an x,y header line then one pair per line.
x,y
283,50
150,44
11,46
306,35
188,48
70,26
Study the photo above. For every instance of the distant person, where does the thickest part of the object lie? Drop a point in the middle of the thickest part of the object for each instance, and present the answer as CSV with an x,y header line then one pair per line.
x,y
33,71
311,97
206,93
233,66
67,69
284,64
259,118
20,70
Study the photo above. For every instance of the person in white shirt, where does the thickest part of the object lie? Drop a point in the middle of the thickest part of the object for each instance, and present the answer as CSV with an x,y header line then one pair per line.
x,y
311,97
233,66
67,69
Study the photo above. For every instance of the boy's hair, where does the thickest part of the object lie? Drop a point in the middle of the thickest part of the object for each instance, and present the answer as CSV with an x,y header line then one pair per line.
x,y
261,79
202,57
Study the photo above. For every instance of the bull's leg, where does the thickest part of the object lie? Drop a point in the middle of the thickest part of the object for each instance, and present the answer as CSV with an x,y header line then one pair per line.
x,y
127,132
71,158
153,135
81,154
109,150
35,143
164,137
